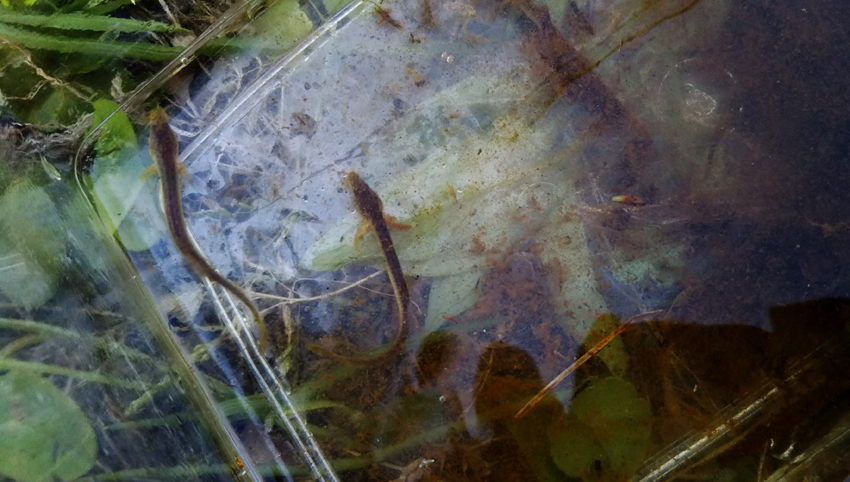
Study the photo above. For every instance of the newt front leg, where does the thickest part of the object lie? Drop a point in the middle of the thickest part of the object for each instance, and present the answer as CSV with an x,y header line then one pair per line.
x,y
370,207
165,151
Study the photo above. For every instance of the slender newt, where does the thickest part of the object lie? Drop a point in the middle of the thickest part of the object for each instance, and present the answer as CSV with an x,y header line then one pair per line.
x,y
165,149
370,207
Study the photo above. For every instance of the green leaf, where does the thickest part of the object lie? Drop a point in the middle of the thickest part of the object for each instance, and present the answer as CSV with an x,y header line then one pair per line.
x,y
614,354
607,433
15,4
117,135
24,283
574,448
449,296
333,6
59,107
32,228
282,25
77,21
60,43
118,181
44,436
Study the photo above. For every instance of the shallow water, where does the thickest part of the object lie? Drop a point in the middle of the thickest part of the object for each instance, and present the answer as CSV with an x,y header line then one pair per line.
x,y
564,168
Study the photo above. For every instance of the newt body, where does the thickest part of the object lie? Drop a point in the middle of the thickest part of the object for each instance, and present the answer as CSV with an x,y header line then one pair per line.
x,y
370,207
165,149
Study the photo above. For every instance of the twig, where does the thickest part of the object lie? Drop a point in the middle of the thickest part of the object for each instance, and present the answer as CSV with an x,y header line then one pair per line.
x,y
287,299
593,351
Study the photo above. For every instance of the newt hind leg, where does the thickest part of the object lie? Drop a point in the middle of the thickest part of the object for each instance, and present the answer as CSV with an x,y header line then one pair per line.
x,y
362,231
152,169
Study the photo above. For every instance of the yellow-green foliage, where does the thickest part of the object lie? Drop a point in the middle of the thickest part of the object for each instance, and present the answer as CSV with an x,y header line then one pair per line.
x,y
117,137
606,434
29,245
44,435
282,25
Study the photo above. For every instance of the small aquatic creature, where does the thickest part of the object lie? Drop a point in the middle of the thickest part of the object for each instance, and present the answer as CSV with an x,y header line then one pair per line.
x,y
165,149
630,200
384,16
370,207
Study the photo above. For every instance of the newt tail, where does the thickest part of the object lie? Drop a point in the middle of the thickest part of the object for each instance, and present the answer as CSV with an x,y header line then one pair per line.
x,y
370,207
165,150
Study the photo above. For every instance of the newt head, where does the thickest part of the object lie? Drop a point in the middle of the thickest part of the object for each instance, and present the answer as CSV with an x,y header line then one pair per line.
x,y
351,179
163,144
369,206
366,201
157,117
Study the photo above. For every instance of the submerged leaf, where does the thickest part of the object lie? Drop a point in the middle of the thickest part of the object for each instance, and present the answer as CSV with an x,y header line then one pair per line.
x,y
488,172
607,433
44,436
24,283
332,6
282,25
502,178
614,354
31,228
449,296
118,180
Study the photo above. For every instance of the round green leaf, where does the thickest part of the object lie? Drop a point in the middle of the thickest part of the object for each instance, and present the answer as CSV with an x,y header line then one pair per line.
x,y
32,239
44,436
607,433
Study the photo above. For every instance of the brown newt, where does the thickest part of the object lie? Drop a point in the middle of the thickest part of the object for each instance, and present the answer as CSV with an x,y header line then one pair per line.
x,y
370,207
165,149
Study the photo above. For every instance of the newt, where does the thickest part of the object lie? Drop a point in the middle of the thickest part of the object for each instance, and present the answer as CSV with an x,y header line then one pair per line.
x,y
165,150
368,204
